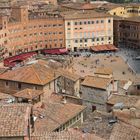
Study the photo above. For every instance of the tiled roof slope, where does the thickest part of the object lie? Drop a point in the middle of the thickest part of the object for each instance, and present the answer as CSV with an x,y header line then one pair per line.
x,y
28,93
75,15
55,113
123,131
96,82
5,96
71,134
32,74
127,100
14,120
67,74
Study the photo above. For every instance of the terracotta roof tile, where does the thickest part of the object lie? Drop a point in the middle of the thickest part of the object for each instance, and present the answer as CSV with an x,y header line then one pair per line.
x,y
80,6
55,114
13,120
5,96
123,131
127,100
84,15
130,116
28,93
67,74
32,74
71,134
96,82
49,63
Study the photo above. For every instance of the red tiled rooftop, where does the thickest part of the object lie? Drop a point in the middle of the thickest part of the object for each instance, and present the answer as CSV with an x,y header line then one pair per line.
x,y
28,93
14,120
55,113
127,100
70,134
32,74
123,131
96,82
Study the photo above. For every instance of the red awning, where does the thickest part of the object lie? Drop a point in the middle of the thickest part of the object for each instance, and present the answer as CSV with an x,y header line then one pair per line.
x,y
63,50
11,60
101,48
55,51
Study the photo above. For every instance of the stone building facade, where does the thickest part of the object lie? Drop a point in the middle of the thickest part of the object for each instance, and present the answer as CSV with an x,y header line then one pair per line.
x,y
95,92
68,83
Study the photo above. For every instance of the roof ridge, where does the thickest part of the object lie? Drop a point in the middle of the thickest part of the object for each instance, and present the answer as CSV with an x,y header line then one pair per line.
x,y
32,66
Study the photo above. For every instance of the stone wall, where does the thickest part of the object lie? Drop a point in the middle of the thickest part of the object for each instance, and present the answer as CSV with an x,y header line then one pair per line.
x,y
94,97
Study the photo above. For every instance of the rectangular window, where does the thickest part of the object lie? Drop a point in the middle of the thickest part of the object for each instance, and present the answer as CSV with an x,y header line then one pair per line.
x,y
102,21
138,87
68,23
7,84
92,34
97,21
75,23
19,85
88,34
109,21
85,35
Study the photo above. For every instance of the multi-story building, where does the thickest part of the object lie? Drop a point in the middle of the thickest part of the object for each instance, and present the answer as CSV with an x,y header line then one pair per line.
x,y
84,29
126,10
121,10
34,76
95,92
127,32
68,83
24,31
